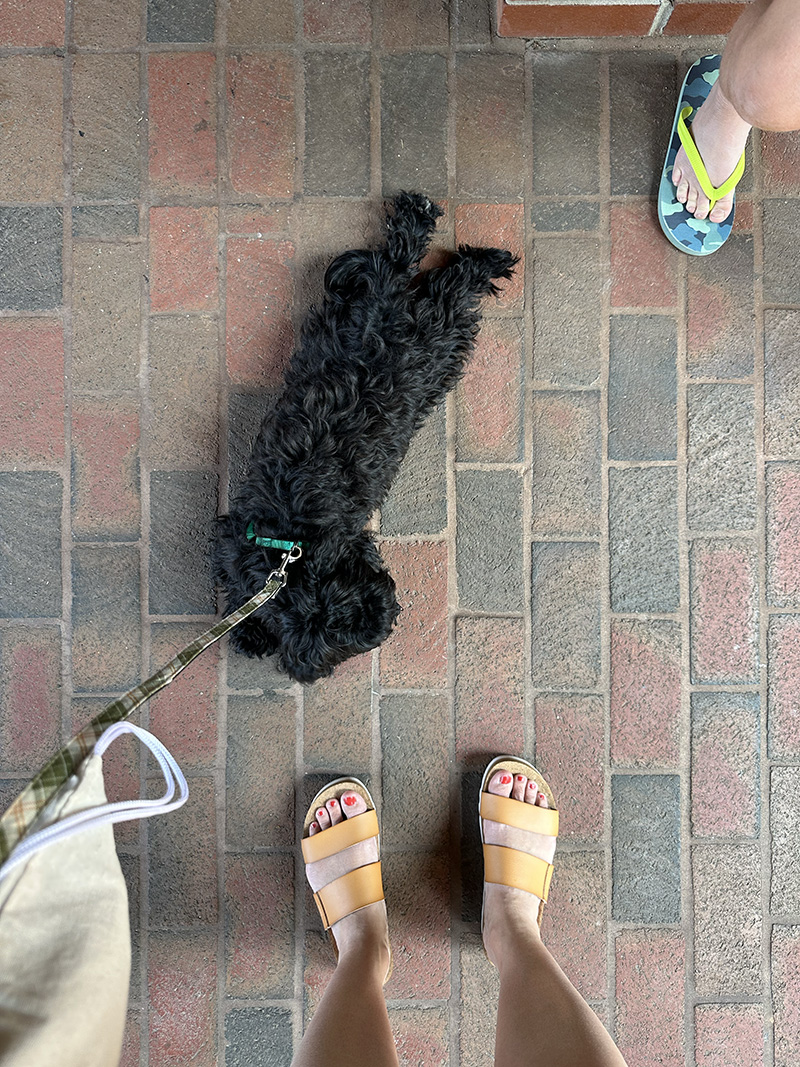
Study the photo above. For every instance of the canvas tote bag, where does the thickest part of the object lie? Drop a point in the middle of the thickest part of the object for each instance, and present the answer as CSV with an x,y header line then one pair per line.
x,y
65,951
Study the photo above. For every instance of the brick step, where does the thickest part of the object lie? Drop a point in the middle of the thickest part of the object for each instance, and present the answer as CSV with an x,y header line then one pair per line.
x,y
604,18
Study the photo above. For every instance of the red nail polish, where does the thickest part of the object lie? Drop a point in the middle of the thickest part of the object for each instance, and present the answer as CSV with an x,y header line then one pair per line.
x,y
349,801
505,779
313,826
542,796
520,777
331,803
320,813
531,785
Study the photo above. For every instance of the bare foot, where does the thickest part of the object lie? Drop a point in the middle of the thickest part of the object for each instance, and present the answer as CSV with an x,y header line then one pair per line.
x,y
508,913
364,931
720,135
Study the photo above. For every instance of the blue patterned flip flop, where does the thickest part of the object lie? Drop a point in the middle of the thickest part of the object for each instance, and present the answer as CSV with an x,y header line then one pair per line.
x,y
697,237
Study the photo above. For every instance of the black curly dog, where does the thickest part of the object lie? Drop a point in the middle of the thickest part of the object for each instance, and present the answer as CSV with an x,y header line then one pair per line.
x,y
374,359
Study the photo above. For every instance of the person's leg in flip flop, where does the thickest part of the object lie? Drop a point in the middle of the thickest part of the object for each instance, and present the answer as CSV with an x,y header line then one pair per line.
x,y
541,1017
351,1024
758,85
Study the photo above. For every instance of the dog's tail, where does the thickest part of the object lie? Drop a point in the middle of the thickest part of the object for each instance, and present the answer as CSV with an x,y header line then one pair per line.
x,y
481,266
409,228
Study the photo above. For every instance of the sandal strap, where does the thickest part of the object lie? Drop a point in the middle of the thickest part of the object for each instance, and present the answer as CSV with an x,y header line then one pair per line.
x,y
714,193
521,870
341,836
516,813
351,892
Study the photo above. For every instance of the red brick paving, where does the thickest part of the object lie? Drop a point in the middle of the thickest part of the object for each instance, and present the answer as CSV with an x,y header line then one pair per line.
x,y
183,259
183,1024
105,469
786,971
32,369
725,795
574,922
421,1036
489,399
124,368
489,688
500,225
645,693
261,134
650,996
724,629
643,268
183,135
260,906
31,713
783,537
728,1033
184,715
32,23
415,655
259,335
570,746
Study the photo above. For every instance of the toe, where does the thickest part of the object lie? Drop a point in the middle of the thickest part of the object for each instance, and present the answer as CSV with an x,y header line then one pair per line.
x,y
323,820
703,205
542,801
721,209
352,804
334,811
676,175
500,783
530,792
518,788
682,191
313,829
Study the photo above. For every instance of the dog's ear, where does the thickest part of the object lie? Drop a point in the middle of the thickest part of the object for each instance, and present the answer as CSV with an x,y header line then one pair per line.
x,y
254,637
353,610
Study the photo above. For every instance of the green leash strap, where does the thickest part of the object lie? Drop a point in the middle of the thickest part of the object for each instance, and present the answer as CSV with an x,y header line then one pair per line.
x,y
19,817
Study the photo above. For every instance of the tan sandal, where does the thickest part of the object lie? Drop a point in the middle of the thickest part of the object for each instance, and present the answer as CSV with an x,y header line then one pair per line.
x,y
510,866
361,886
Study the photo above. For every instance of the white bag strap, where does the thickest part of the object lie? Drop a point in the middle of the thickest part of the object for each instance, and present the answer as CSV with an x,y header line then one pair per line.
x,y
120,811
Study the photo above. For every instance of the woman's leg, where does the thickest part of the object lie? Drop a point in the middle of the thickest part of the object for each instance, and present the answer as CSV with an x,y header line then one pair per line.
x,y
758,85
351,1024
541,1018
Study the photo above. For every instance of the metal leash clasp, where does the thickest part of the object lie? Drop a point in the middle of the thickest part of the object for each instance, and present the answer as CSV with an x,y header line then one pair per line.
x,y
279,574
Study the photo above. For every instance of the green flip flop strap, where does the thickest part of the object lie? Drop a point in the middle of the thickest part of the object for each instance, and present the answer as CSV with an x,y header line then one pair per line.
x,y
714,193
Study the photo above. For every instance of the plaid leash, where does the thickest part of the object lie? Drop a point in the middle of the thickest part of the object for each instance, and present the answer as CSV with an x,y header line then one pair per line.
x,y
17,819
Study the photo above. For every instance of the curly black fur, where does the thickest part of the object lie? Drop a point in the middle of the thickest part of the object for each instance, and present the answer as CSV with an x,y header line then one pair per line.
x,y
374,359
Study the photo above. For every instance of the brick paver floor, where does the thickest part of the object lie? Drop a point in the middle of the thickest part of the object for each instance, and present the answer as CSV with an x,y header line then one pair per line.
x,y
595,540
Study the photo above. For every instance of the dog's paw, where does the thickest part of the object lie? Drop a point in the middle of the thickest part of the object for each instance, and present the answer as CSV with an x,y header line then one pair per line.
x,y
417,205
409,228
480,266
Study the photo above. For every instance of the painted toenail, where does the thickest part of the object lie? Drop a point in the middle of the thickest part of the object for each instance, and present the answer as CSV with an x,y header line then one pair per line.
x,y
349,801
314,826
331,803
542,796
320,813
505,779
520,777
